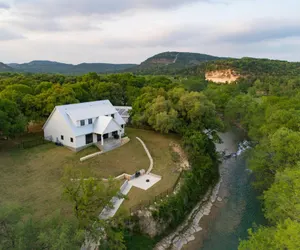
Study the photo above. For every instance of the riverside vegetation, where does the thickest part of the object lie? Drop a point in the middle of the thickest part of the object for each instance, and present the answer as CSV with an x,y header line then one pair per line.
x,y
158,103
265,106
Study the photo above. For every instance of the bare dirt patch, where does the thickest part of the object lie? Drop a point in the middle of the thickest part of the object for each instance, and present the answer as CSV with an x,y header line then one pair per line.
x,y
183,162
222,76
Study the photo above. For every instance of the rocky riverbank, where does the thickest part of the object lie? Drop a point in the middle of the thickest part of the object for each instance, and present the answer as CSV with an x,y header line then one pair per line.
x,y
185,233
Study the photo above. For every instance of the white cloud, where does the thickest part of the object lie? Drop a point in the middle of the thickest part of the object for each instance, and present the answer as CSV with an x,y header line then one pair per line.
x,y
6,35
132,30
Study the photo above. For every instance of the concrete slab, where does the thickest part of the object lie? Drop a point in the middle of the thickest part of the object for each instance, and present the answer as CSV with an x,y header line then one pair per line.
x,y
141,182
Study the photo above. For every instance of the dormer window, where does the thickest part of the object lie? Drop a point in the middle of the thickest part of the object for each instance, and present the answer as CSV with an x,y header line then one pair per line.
x,y
90,121
82,122
113,116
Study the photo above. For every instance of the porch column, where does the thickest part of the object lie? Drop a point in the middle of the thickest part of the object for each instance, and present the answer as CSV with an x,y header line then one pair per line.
x,y
102,142
120,135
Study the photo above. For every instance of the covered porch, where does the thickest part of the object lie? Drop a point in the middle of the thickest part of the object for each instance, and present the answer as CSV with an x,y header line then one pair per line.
x,y
106,130
109,143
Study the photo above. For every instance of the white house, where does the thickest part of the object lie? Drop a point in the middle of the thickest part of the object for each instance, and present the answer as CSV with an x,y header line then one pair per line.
x,y
77,126
124,112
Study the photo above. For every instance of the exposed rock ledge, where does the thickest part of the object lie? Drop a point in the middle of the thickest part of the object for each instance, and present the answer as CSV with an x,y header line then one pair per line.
x,y
185,232
222,76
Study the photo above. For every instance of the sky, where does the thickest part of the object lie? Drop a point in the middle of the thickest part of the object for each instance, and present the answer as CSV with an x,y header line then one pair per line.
x,y
130,31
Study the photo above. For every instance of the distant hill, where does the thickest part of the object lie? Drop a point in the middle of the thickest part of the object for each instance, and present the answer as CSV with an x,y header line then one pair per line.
x,y
42,67
247,67
5,68
63,68
100,67
171,62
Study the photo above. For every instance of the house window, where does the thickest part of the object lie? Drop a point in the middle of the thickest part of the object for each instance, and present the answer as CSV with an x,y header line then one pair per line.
x,y
90,121
71,139
82,122
122,125
113,116
61,137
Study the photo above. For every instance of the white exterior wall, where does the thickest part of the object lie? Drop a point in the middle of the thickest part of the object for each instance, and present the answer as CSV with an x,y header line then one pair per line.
x,y
80,141
123,130
112,126
56,127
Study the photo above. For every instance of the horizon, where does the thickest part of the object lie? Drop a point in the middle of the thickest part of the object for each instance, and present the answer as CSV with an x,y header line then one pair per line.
x,y
130,31
42,60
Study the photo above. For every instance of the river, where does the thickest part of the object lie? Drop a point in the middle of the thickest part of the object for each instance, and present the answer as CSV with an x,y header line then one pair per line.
x,y
239,208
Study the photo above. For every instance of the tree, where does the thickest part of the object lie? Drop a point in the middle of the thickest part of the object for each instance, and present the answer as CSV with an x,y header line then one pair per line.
x,y
242,110
89,196
59,233
56,95
12,121
282,200
286,235
107,90
10,215
275,153
20,231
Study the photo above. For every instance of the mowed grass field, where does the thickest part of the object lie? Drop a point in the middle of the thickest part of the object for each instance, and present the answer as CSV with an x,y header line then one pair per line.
x,y
164,166
32,177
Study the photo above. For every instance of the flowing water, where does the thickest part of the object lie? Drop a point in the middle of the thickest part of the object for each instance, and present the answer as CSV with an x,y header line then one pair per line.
x,y
239,208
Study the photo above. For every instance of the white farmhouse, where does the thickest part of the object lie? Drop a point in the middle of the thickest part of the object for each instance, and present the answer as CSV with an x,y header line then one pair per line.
x,y
124,112
77,126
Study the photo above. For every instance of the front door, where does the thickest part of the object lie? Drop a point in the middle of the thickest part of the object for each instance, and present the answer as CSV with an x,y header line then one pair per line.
x,y
88,138
98,137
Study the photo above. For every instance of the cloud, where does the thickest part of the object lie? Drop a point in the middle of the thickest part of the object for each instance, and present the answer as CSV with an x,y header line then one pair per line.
x,y
165,37
51,15
4,6
101,7
265,31
6,35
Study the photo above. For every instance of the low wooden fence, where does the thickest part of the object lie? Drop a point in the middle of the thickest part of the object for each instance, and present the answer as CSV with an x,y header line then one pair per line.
x,y
33,143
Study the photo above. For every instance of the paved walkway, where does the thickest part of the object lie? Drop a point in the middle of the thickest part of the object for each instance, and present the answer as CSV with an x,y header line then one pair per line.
x,y
108,212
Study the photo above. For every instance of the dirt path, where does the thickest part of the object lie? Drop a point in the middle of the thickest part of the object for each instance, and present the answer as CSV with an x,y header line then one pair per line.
x,y
175,58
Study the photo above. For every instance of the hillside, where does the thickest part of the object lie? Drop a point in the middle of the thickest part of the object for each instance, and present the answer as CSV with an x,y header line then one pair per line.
x,y
231,69
5,68
63,68
42,67
254,66
100,67
171,62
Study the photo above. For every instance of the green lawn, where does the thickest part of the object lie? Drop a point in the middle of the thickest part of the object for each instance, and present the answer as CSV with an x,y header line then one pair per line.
x,y
31,177
158,146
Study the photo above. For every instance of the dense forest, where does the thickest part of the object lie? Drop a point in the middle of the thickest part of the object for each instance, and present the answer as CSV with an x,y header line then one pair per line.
x,y
247,67
158,103
64,68
265,103
268,109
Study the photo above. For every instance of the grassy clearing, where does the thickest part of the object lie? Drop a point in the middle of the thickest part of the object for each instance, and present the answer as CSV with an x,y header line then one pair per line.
x,y
129,158
31,177
158,146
